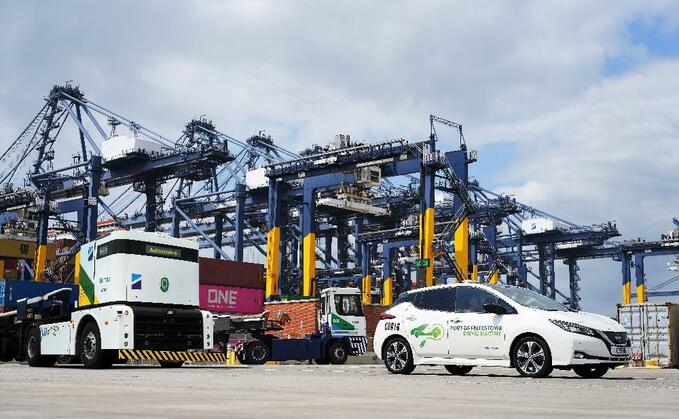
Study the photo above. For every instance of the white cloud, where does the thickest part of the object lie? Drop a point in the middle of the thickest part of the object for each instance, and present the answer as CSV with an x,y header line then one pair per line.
x,y
528,73
610,153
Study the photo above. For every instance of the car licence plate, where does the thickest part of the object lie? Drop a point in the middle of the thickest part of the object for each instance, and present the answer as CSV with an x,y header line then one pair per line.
x,y
620,350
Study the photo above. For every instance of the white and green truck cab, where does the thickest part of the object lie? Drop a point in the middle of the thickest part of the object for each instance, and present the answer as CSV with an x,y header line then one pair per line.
x,y
138,292
341,333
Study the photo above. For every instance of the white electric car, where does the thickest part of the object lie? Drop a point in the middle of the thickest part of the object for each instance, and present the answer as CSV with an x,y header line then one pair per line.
x,y
466,325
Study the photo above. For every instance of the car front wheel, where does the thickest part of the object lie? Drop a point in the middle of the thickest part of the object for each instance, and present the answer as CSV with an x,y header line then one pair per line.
x,y
398,358
532,358
591,371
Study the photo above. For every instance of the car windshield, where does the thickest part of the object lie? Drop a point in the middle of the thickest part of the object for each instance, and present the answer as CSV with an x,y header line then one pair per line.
x,y
530,298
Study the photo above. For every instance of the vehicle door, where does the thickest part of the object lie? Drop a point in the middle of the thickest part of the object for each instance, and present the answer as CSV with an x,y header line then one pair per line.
x,y
426,320
475,333
347,318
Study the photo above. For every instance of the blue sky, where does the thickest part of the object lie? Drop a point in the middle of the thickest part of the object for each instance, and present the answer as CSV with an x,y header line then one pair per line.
x,y
573,105
657,39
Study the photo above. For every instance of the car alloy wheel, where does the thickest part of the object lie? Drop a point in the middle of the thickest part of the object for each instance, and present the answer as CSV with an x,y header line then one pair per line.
x,y
397,356
530,357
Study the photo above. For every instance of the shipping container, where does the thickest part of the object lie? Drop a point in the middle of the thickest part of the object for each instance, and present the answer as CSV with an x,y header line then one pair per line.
x,y
231,274
653,330
23,249
11,291
219,299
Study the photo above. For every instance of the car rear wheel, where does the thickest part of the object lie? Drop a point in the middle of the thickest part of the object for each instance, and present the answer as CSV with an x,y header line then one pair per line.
x,y
591,371
458,369
532,358
398,358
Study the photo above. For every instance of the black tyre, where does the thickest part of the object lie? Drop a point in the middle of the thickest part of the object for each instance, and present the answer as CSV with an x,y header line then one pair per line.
x,y
458,369
591,371
398,357
337,353
171,364
8,349
89,346
32,352
532,358
257,352
240,356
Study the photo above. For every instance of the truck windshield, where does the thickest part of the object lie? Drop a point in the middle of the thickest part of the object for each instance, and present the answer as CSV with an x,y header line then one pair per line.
x,y
348,305
530,298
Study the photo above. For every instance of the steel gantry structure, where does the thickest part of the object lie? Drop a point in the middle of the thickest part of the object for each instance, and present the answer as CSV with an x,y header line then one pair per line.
x,y
385,215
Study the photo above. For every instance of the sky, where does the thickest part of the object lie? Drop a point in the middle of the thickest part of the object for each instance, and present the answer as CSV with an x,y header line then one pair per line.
x,y
572,105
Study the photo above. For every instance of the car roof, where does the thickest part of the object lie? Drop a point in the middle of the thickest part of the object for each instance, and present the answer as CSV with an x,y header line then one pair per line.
x,y
460,284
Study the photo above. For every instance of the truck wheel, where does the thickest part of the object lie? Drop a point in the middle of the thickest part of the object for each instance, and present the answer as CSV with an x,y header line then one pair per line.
x,y
8,349
240,356
458,369
33,355
171,364
91,354
591,371
398,358
337,353
532,358
257,352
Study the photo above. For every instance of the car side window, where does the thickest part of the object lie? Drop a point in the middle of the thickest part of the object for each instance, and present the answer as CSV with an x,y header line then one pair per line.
x,y
508,308
472,299
406,297
442,299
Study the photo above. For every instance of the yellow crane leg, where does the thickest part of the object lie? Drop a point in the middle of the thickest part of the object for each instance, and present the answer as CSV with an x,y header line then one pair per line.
x,y
273,241
427,245
40,262
462,248
309,264
366,288
388,292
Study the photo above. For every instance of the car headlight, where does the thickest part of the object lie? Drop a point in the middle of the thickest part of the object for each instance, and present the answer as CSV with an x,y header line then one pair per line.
x,y
574,328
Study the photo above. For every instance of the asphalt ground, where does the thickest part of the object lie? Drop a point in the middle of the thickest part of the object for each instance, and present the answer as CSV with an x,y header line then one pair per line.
x,y
304,390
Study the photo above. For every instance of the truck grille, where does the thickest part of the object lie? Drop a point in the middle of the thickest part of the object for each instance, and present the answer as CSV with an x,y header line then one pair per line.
x,y
168,329
618,338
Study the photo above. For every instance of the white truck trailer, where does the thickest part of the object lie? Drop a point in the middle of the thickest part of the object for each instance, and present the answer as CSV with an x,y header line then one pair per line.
x,y
138,292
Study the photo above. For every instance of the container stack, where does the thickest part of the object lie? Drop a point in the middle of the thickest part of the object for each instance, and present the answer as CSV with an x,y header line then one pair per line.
x,y
653,330
231,287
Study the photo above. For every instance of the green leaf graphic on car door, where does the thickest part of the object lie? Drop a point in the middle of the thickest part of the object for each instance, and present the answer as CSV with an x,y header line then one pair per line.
x,y
433,332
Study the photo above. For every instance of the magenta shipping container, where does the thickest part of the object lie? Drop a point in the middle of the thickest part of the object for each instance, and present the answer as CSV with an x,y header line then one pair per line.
x,y
218,299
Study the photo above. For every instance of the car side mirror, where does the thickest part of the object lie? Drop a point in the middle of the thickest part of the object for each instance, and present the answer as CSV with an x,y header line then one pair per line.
x,y
494,308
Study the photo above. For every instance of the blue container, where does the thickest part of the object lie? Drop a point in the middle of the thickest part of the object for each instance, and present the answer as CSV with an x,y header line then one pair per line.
x,y
13,290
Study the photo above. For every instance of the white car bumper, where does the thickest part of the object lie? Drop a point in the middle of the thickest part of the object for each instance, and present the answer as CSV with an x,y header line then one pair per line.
x,y
585,350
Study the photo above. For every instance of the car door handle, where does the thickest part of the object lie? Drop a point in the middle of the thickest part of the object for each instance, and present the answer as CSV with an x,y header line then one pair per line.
x,y
411,318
